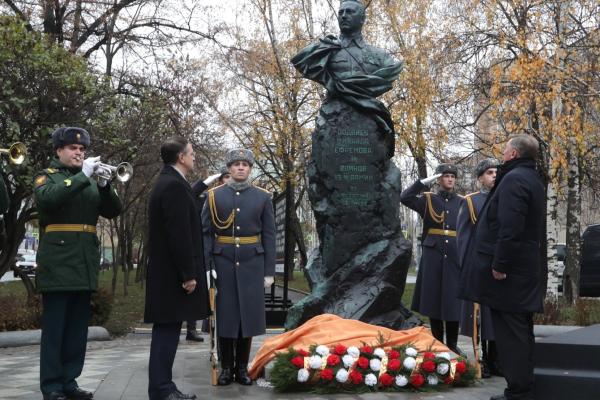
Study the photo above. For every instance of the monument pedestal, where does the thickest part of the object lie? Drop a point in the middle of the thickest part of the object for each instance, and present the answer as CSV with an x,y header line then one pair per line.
x,y
567,366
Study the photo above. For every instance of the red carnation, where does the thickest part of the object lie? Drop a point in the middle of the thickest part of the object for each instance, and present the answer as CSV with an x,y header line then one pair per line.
x,y
327,374
363,362
394,365
461,367
394,355
429,356
298,362
448,381
428,366
366,349
340,350
356,377
417,380
386,379
333,360
303,353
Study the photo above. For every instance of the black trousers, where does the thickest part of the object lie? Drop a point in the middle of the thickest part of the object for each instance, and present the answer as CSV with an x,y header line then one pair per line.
x,y
65,318
165,339
515,343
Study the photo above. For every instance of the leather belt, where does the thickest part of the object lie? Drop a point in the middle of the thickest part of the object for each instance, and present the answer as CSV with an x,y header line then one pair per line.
x,y
70,228
443,232
238,239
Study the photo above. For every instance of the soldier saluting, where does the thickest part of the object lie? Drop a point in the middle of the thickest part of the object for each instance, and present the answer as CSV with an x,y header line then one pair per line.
x,y
69,203
239,225
437,280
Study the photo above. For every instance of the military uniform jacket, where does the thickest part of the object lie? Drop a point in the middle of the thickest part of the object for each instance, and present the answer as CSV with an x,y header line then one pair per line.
x,y
467,218
437,280
508,238
175,252
4,202
70,260
241,268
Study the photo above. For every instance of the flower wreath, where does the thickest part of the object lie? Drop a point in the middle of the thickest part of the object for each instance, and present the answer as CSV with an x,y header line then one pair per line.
x,y
325,369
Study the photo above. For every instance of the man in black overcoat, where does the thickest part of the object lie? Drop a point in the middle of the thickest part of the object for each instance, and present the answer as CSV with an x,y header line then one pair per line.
x,y
503,266
176,288
436,289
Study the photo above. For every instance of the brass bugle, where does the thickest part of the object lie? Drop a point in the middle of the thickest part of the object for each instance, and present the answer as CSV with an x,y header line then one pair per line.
x,y
16,153
122,172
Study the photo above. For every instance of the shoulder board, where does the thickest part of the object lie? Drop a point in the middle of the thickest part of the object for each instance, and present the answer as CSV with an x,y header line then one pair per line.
x,y
428,193
264,190
50,170
471,194
460,196
216,187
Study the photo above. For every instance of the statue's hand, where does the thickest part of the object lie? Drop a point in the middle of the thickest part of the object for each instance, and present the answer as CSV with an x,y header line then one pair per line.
x,y
330,39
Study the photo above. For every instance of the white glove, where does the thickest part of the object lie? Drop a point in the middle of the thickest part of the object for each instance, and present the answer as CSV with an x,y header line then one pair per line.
x,y
214,275
430,180
211,179
269,281
90,165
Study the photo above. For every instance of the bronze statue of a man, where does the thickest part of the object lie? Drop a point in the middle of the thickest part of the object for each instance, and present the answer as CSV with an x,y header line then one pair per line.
x,y
352,70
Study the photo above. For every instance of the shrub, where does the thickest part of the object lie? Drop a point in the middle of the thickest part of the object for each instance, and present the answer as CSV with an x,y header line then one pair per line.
x,y
17,313
102,303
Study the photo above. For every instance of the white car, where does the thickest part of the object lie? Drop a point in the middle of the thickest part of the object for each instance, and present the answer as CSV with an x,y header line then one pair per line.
x,y
27,263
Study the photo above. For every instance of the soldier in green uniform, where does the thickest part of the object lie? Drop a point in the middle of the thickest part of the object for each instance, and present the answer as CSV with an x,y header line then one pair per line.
x,y
4,203
69,203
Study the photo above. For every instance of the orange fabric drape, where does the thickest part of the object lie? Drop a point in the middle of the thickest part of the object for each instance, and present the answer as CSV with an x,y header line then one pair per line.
x,y
329,330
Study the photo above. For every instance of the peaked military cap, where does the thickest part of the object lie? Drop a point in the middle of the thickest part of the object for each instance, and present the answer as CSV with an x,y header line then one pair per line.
x,y
70,135
484,165
447,169
240,155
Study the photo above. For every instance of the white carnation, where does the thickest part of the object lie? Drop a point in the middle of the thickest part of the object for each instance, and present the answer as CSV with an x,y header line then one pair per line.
x,y
379,352
445,355
409,363
370,380
442,368
348,360
315,362
303,375
341,376
353,351
411,352
375,364
322,350
401,380
432,380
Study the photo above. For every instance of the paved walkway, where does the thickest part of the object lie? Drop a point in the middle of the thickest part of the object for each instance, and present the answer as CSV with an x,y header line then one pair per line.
x,y
119,370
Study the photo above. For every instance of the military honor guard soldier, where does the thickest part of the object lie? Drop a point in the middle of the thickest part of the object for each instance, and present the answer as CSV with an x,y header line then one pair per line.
x,y
69,203
4,203
467,218
437,280
239,225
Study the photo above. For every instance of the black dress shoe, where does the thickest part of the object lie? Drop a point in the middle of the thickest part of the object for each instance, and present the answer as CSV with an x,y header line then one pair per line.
x,y
177,395
242,377
79,394
55,396
226,377
194,336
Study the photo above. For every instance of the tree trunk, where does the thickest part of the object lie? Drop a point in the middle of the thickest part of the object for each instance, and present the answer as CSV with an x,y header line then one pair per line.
x,y
573,242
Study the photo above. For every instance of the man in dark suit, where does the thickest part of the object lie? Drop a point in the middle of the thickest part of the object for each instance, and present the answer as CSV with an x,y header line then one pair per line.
x,y
176,287
436,289
503,266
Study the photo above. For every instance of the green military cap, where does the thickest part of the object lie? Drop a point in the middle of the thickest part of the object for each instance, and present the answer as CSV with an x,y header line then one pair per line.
x,y
240,155
70,135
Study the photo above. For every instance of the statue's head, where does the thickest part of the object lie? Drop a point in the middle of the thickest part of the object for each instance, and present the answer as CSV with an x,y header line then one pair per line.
x,y
351,16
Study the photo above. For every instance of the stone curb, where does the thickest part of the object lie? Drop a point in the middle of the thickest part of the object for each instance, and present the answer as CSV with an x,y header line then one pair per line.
x,y
551,330
33,337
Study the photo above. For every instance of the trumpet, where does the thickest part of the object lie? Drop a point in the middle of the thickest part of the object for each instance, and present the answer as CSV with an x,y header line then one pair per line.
x,y
122,172
16,153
